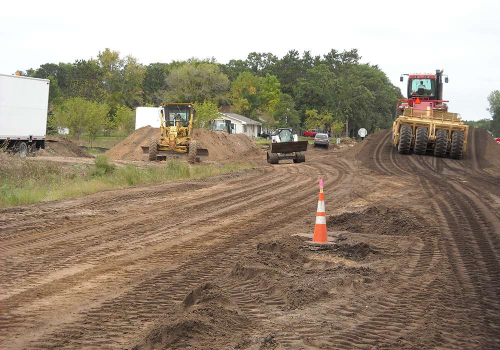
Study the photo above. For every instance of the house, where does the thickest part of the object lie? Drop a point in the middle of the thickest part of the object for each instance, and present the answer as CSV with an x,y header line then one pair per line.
x,y
242,125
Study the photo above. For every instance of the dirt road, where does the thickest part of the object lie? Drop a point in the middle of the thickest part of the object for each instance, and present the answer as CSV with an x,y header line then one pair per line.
x,y
221,263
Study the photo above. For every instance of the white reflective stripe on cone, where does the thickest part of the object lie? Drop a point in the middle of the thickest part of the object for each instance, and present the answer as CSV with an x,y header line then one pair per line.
x,y
321,220
321,207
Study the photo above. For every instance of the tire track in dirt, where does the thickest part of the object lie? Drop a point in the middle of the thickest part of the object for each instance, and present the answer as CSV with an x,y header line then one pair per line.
x,y
194,261
132,229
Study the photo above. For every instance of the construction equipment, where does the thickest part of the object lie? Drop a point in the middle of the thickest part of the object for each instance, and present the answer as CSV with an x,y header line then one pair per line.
x,y
176,134
423,121
222,125
285,145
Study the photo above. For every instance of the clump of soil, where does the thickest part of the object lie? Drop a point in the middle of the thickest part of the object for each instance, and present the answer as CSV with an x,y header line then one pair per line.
x,y
380,221
200,322
221,146
60,146
358,251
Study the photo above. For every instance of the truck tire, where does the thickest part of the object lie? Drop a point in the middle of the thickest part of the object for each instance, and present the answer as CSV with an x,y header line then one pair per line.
x,y
300,157
421,139
192,152
153,149
457,144
441,143
22,149
272,158
404,139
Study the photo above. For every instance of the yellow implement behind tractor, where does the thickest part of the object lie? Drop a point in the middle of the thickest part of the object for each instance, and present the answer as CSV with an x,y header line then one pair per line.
x,y
176,134
424,123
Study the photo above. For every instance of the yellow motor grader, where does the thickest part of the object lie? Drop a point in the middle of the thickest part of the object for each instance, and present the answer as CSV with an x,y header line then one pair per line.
x,y
176,134
424,123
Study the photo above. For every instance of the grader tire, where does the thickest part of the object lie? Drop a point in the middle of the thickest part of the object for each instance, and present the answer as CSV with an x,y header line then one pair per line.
x,y
153,149
192,153
441,143
404,139
421,139
457,144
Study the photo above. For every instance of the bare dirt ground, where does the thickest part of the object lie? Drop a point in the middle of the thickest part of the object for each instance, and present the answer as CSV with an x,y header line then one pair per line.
x,y
221,263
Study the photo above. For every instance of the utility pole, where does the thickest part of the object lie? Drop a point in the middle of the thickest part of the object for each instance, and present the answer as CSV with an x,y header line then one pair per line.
x,y
347,127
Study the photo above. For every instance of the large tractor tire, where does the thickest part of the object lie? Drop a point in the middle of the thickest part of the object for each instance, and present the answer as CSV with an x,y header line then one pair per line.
x,y
457,144
153,149
193,152
441,143
421,139
405,139
300,157
273,158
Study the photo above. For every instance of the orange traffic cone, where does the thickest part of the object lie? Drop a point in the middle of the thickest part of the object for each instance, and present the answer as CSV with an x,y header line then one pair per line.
x,y
320,235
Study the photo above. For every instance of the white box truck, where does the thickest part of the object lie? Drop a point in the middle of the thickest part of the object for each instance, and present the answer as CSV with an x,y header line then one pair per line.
x,y
145,116
23,113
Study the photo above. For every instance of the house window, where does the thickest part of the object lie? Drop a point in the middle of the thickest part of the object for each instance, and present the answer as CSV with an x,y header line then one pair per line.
x,y
245,129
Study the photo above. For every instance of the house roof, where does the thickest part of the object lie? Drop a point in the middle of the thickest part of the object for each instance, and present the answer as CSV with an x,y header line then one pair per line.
x,y
241,118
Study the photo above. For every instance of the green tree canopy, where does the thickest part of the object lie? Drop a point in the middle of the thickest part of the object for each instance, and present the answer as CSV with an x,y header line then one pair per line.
x,y
196,82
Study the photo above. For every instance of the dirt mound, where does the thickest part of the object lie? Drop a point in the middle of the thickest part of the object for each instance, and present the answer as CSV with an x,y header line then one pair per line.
x,y
380,221
200,322
221,146
130,148
361,150
486,149
59,146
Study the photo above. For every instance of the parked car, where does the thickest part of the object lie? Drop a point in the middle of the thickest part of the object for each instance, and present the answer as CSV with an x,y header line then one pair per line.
x,y
265,135
321,140
498,140
311,133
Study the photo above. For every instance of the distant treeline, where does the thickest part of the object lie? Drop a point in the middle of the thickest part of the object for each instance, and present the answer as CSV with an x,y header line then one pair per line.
x,y
298,90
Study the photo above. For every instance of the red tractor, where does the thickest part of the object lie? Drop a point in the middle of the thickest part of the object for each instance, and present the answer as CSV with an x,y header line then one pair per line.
x,y
424,123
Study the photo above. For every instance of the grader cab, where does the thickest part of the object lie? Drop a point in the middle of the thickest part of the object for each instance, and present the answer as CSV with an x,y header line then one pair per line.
x,y
176,134
424,123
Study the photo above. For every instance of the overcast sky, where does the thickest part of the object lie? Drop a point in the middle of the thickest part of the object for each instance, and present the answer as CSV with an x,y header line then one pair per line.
x,y
461,37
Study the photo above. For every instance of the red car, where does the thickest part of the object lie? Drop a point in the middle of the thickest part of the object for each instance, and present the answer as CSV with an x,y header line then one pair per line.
x,y
498,140
311,133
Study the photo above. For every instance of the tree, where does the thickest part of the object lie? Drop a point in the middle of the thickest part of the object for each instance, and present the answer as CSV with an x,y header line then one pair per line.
x,y
494,100
95,118
205,113
337,127
71,114
314,120
154,82
285,114
133,76
244,93
196,82
125,119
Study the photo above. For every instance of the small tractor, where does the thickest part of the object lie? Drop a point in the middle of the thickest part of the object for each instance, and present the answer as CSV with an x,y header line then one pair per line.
x,y
222,125
424,123
176,134
285,145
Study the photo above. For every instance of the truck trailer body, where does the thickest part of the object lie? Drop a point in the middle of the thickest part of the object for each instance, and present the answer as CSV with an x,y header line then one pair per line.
x,y
23,112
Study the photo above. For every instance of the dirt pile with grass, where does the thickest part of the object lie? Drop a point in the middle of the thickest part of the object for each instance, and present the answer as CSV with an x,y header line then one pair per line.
x,y
59,146
221,146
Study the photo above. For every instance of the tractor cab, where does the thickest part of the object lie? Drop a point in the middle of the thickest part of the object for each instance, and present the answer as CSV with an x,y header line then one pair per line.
x,y
422,87
424,91
177,114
